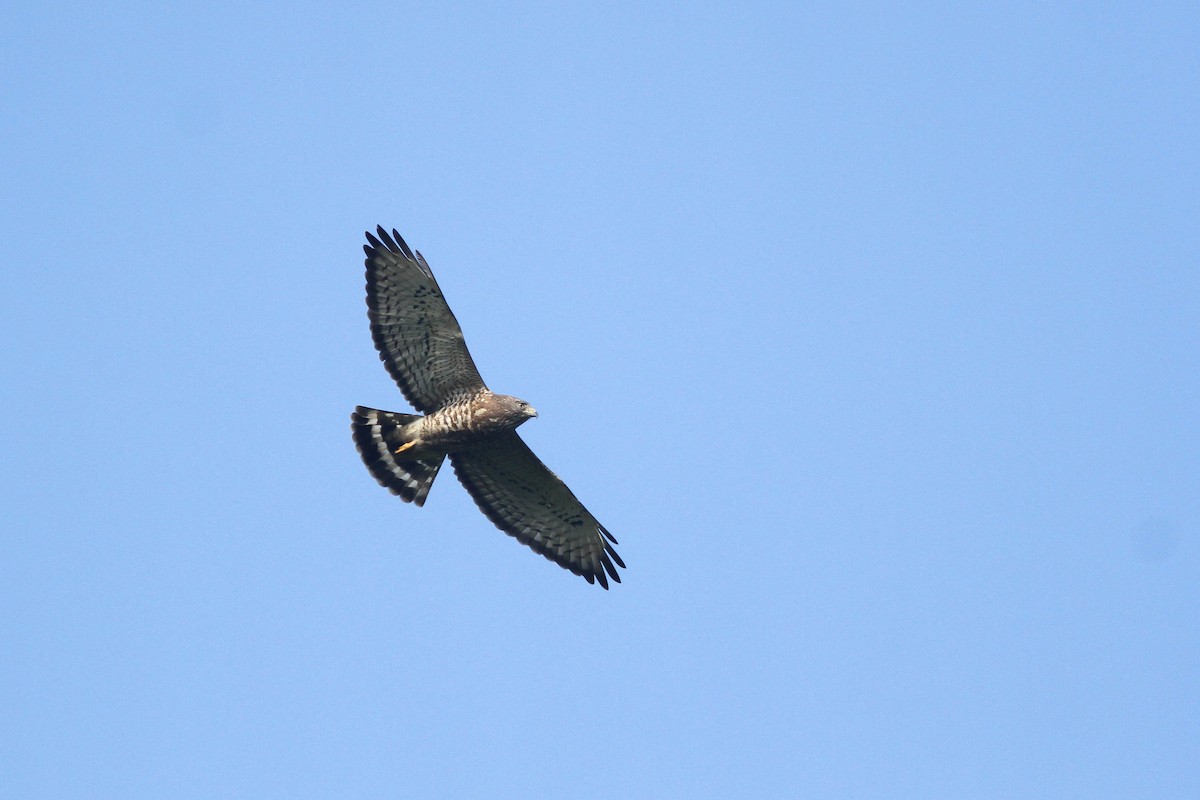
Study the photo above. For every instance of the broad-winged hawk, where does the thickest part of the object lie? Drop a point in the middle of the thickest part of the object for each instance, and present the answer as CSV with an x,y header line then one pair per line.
x,y
422,346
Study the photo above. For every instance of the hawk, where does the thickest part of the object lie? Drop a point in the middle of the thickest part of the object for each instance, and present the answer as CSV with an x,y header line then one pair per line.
x,y
421,344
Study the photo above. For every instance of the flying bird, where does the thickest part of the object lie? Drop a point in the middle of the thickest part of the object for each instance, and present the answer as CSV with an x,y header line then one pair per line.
x,y
422,346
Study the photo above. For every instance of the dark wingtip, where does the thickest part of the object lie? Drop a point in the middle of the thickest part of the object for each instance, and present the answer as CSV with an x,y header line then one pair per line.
x,y
386,238
393,242
373,244
611,553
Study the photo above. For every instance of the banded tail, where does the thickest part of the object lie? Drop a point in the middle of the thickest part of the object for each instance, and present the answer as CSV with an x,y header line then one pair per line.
x,y
377,434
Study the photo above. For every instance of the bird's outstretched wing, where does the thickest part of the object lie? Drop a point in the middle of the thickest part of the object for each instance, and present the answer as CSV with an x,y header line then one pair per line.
x,y
528,501
415,332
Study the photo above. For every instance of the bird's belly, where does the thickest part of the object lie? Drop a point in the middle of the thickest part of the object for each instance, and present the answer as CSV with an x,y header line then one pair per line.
x,y
449,432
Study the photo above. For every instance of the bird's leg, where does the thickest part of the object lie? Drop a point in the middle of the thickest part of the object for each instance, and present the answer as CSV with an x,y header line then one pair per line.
x,y
404,447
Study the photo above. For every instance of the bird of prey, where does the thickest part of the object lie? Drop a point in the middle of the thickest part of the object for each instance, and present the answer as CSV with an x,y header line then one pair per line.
x,y
421,344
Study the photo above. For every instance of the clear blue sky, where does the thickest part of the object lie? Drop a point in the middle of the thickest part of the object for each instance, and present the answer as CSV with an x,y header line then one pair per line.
x,y
872,331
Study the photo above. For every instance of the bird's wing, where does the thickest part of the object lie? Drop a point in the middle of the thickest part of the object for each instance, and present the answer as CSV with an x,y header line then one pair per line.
x,y
528,501
415,332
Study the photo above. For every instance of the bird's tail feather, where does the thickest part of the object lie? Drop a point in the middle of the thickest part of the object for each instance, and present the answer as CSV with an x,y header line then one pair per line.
x,y
377,435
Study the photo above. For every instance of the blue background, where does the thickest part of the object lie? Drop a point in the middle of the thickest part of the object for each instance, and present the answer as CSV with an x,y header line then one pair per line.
x,y
870,330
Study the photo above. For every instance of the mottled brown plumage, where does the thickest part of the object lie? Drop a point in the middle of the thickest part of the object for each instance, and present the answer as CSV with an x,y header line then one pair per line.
x,y
422,346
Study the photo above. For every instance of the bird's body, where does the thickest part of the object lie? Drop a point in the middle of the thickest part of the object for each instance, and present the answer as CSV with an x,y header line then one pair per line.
x,y
460,425
422,346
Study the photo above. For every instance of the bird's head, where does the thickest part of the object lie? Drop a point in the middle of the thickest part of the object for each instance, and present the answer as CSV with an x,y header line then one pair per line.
x,y
514,409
